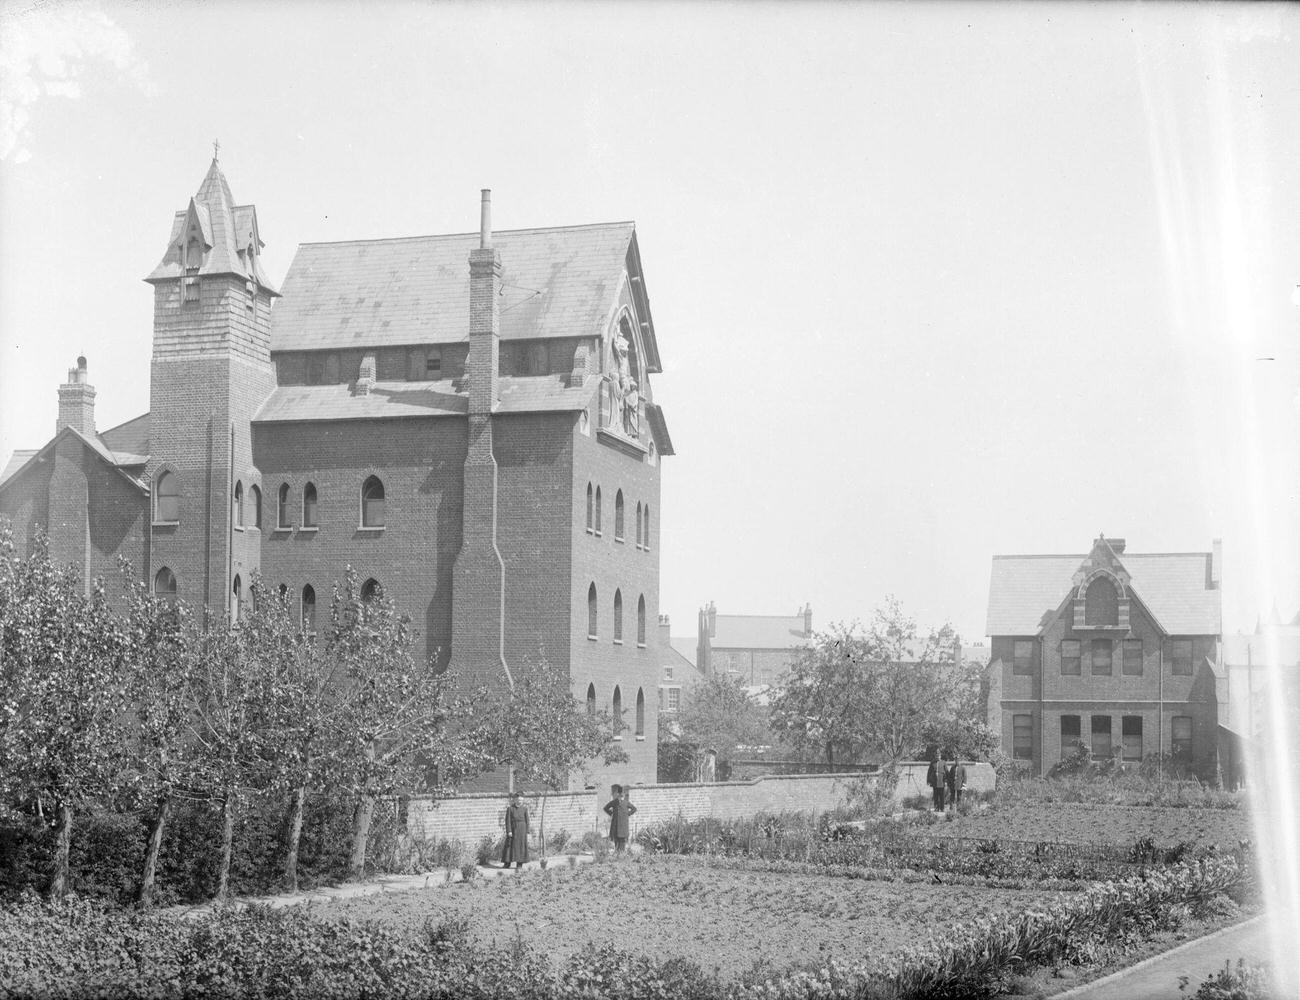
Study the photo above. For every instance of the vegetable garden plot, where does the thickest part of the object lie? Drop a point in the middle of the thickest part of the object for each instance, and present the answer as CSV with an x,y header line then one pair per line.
x,y
721,918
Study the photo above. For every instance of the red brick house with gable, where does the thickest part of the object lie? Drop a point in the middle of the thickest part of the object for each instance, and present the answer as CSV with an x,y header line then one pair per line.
x,y
467,420
1117,651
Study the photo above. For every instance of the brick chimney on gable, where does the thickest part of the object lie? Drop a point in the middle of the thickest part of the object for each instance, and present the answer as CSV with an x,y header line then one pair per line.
x,y
77,401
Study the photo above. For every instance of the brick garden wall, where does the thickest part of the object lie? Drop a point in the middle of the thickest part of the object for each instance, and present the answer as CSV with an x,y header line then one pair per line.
x,y
468,818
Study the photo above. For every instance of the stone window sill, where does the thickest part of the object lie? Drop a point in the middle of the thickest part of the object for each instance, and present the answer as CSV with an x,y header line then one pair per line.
x,y
165,524
370,527
592,638
640,645
640,739
313,529
618,642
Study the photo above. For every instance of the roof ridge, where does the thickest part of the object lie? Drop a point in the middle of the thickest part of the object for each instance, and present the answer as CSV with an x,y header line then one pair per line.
x,y
1069,555
793,615
449,236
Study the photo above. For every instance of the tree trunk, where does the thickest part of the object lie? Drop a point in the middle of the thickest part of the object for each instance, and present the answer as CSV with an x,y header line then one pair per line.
x,y
541,825
59,881
830,755
361,819
227,844
295,833
155,845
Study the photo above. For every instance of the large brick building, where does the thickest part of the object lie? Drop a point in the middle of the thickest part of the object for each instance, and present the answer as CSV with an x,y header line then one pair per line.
x,y
1116,651
466,420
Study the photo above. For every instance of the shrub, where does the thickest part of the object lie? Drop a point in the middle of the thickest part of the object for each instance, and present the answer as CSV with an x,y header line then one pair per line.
x,y
1245,982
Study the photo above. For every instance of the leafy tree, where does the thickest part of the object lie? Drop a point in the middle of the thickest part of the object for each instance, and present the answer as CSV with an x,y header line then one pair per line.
x,y
872,692
718,714
392,713
295,708
63,682
539,729
160,641
823,704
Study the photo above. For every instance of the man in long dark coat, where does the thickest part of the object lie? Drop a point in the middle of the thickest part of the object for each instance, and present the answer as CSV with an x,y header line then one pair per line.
x,y
619,810
934,778
515,850
954,777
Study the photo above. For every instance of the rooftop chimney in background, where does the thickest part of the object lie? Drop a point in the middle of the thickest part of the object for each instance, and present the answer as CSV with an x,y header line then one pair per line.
x,y
807,621
77,401
485,221
713,620
1216,566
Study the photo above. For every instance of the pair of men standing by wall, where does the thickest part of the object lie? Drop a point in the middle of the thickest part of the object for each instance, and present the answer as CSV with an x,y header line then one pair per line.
x,y
946,782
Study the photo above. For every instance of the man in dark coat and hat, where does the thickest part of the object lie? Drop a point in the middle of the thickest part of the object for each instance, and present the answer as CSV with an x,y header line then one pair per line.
x,y
954,776
619,809
934,778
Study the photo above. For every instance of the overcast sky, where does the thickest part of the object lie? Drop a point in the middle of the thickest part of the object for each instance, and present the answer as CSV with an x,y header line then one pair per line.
x,y
930,282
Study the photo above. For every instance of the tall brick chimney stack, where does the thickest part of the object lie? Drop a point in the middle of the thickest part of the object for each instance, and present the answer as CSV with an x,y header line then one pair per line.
x,y
77,401
807,621
713,620
478,579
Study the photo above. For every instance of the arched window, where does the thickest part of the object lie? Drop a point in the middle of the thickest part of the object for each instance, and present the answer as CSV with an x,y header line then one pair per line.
x,y
255,498
591,612
1101,603
590,508
309,506
640,620
371,590
167,499
372,503
238,512
591,699
618,713
236,599
645,535
164,585
598,510
618,616
282,508
638,524
283,591
640,714
618,516
309,609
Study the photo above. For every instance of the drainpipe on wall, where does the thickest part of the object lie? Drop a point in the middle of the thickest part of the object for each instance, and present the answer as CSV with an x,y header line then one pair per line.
x,y
230,523
1042,721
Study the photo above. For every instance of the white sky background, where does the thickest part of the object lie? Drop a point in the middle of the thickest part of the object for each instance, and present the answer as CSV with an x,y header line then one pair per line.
x,y
930,282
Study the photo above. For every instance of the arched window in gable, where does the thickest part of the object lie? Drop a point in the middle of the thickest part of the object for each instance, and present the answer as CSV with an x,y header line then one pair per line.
x,y
1101,602
164,585
592,612
618,616
591,699
238,512
640,620
167,499
282,507
236,599
645,535
590,507
372,590
640,714
372,503
597,510
618,516
638,524
255,500
618,713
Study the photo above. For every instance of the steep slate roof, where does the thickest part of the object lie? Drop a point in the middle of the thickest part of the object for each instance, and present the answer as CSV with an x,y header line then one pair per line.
x,y
16,465
559,282
129,441
1025,591
758,632
439,398
684,646
227,228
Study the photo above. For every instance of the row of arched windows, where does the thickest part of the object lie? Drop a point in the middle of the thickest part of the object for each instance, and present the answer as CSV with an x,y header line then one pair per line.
x,y
595,525
164,588
167,497
616,710
593,616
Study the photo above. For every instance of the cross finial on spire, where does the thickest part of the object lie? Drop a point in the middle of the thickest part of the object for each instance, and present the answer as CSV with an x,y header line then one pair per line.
x,y
216,147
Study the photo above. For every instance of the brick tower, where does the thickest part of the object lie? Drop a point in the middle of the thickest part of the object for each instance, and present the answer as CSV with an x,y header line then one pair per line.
x,y
210,372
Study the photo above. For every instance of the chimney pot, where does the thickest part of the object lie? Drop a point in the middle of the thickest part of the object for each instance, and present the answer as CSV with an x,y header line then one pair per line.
x,y
77,401
485,220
